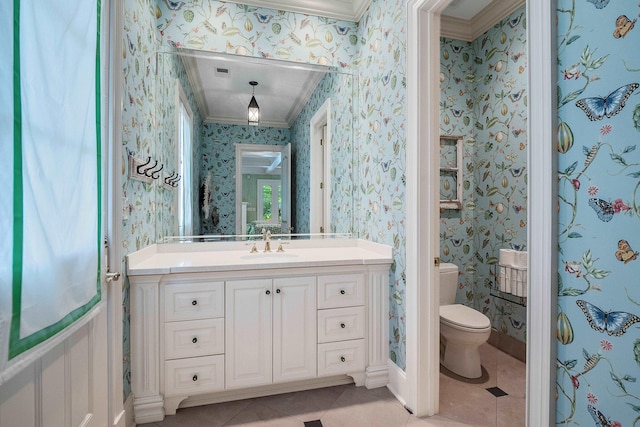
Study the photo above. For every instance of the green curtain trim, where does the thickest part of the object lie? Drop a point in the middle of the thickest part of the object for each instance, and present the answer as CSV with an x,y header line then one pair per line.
x,y
14,333
99,149
17,345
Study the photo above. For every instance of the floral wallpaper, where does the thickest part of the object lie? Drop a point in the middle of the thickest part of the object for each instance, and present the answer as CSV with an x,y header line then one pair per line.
x,y
170,68
376,48
340,88
598,213
218,166
381,146
246,30
138,140
484,100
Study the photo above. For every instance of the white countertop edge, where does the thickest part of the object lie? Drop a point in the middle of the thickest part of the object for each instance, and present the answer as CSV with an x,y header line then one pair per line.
x,y
157,258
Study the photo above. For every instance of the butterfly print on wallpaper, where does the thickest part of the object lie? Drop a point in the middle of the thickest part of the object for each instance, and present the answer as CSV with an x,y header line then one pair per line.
x,y
597,107
600,419
624,252
614,323
623,26
599,4
603,209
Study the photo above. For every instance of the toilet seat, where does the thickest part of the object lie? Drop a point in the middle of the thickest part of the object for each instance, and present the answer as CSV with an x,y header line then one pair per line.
x,y
462,317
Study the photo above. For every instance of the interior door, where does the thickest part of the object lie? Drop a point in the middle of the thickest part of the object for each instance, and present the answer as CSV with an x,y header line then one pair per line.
x,y
66,383
286,189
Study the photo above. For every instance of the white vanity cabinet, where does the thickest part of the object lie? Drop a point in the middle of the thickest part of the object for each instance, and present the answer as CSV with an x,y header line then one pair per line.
x,y
270,331
203,332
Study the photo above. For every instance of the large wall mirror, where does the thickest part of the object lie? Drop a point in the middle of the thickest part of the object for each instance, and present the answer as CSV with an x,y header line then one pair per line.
x,y
294,121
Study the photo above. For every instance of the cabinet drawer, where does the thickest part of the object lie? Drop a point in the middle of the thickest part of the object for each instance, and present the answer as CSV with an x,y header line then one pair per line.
x,y
340,324
340,357
193,338
193,301
194,376
344,290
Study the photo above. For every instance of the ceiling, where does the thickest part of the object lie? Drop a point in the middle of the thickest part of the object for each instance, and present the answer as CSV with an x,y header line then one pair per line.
x,y
221,86
221,82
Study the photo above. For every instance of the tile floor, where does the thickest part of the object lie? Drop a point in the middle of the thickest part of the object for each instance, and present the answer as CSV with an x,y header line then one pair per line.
x,y
350,406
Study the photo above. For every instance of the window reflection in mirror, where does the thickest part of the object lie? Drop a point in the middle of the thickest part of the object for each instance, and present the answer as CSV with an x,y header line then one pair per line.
x,y
184,137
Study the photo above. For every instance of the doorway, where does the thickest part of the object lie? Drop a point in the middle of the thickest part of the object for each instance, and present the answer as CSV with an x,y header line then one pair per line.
x,y
320,194
418,386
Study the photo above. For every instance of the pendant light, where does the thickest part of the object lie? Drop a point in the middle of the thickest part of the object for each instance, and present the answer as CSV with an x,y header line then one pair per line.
x,y
254,110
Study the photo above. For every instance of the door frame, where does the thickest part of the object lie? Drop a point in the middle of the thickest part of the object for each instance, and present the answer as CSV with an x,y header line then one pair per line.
x,y
113,219
418,385
320,172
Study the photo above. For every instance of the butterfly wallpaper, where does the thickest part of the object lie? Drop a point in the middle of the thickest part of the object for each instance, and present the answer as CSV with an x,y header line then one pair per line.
x,y
598,324
484,98
598,125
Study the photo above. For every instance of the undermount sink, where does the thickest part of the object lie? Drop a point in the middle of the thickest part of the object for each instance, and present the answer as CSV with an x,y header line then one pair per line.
x,y
269,256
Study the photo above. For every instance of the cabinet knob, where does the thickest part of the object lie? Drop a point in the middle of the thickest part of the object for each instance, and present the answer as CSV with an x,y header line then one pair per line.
x,y
342,359
277,291
342,325
195,378
342,292
268,292
194,302
194,340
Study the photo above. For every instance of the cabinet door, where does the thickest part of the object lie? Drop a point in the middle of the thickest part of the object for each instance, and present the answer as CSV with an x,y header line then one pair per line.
x,y
294,328
248,358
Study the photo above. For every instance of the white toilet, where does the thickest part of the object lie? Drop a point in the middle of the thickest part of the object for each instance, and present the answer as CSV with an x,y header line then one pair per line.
x,y
462,329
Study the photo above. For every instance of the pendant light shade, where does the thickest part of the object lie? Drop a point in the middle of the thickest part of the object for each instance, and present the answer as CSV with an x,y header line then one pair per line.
x,y
253,110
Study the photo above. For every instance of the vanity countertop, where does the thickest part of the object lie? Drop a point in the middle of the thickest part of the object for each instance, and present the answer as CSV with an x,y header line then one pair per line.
x,y
169,258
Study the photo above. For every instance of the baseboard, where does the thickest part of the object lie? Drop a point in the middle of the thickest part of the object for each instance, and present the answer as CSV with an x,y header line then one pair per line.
x,y
128,412
397,382
509,345
268,390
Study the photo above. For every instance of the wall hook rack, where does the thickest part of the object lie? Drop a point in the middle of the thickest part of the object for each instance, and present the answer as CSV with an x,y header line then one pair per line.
x,y
171,181
144,170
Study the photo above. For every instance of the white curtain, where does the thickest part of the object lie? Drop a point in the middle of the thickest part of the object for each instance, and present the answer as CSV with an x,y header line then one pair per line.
x,y
50,170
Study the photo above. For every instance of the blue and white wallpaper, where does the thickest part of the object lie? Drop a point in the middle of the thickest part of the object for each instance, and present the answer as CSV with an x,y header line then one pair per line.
x,y
218,163
484,100
599,164
599,213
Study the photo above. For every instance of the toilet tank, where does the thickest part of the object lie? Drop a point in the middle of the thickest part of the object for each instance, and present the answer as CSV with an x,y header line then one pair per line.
x,y
448,283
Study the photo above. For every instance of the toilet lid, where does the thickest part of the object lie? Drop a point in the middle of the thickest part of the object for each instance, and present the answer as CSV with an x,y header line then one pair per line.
x,y
461,315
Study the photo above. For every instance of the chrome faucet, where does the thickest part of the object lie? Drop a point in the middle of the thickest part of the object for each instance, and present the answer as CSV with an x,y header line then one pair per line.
x,y
266,236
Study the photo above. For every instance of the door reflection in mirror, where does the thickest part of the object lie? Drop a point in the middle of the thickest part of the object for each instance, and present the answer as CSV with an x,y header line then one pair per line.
x,y
263,176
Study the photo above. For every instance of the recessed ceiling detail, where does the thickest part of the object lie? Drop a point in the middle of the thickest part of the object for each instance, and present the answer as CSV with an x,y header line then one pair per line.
x,y
222,97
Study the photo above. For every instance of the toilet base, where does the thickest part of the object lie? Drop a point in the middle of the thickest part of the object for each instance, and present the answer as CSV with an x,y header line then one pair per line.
x,y
462,359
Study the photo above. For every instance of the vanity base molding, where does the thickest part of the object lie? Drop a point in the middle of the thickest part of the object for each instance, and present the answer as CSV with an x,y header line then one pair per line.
x,y
226,334
148,409
254,392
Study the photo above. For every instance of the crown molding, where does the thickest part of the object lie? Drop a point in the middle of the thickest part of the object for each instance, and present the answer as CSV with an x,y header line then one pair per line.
x,y
470,29
337,9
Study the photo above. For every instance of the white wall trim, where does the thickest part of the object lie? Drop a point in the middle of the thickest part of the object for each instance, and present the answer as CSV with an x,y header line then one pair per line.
x,y
113,223
343,10
470,29
320,171
542,217
423,220
127,420
397,382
